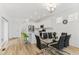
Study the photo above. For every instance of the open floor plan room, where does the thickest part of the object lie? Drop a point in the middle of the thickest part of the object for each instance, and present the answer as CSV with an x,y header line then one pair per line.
x,y
39,29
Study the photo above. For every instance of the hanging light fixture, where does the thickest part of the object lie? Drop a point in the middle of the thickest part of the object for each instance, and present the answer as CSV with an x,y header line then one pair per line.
x,y
50,7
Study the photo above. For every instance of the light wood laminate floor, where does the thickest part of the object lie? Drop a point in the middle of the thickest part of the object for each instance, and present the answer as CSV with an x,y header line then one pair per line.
x,y
17,47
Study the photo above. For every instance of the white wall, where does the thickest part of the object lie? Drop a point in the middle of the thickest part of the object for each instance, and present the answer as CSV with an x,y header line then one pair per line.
x,y
72,27
14,28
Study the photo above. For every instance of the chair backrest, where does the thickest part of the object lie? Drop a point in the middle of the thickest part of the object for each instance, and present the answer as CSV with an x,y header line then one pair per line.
x,y
64,33
55,35
61,40
66,42
38,41
50,35
67,38
40,34
45,36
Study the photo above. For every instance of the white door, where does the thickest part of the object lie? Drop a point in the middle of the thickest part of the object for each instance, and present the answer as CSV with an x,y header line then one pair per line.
x,y
3,33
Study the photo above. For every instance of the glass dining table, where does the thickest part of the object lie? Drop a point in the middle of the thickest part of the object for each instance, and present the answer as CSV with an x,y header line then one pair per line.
x,y
49,41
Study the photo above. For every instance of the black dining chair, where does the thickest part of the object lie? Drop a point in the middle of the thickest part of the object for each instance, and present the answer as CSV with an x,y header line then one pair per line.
x,y
38,43
60,44
44,35
66,41
50,35
40,34
55,36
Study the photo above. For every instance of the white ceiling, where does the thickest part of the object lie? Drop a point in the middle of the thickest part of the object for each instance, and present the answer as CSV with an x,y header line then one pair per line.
x,y
24,10
33,10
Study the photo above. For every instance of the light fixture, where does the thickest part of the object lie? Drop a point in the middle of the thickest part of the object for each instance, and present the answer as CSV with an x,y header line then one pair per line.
x,y
50,7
